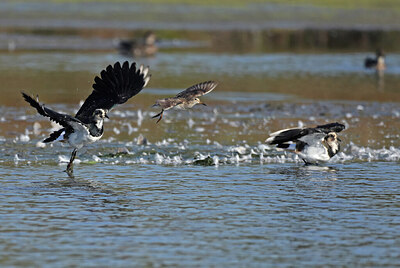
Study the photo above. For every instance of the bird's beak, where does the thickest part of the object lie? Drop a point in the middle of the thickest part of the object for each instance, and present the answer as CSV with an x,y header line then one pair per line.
x,y
106,116
339,139
202,103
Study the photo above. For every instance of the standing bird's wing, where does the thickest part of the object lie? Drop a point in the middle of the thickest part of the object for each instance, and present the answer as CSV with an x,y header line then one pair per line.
x,y
312,138
197,90
331,127
115,86
294,134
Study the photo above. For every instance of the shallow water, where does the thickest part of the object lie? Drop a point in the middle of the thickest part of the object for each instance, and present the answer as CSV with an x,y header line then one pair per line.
x,y
205,190
189,215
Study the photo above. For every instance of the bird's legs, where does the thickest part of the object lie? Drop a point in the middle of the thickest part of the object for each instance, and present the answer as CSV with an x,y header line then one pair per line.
x,y
70,167
159,115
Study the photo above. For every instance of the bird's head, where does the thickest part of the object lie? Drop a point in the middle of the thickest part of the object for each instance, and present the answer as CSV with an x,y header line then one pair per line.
x,y
100,114
333,142
198,101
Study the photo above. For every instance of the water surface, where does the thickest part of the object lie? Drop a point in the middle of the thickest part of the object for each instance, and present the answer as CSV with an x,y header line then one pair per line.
x,y
205,190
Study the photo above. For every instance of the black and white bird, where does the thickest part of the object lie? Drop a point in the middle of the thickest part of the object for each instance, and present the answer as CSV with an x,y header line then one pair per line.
x,y
313,145
378,62
116,85
185,99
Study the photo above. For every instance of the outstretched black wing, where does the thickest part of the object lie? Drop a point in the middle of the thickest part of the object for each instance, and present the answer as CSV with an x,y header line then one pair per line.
x,y
197,90
115,86
331,127
294,134
62,119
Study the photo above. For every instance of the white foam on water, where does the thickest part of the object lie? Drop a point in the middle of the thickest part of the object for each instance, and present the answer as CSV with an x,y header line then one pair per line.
x,y
36,128
238,149
24,138
164,142
62,159
216,143
216,160
40,144
130,128
190,123
17,159
369,154
96,158
167,160
116,131
140,117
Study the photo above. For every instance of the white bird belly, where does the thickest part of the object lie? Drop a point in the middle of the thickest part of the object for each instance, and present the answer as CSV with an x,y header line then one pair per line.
x,y
314,154
180,106
80,138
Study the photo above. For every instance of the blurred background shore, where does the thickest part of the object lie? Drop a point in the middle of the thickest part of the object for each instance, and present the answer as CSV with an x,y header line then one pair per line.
x,y
346,30
222,26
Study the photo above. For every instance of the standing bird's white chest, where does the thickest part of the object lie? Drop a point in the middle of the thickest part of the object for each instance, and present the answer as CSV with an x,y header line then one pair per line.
x,y
82,136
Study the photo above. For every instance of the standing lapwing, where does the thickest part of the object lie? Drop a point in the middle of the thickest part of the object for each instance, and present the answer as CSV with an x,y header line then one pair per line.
x,y
115,86
313,145
378,62
185,99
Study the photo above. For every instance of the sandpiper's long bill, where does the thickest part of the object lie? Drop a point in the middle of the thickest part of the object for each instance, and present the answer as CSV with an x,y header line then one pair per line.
x,y
116,85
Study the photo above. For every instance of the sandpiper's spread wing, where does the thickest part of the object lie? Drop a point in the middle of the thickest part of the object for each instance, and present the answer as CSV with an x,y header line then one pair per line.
x,y
294,134
197,90
168,103
115,86
64,120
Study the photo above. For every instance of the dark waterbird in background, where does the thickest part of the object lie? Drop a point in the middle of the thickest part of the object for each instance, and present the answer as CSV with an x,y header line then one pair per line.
x,y
378,62
313,145
140,47
116,85
185,99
